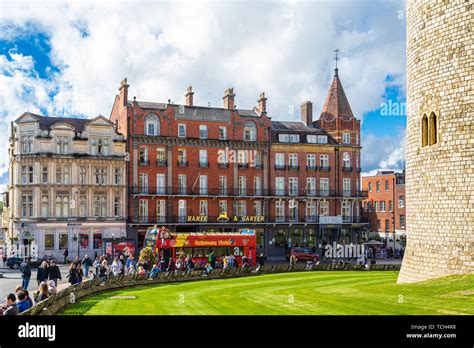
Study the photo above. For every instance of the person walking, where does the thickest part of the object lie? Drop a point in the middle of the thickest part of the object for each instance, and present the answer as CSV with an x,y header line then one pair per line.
x,y
66,256
86,262
43,272
54,273
25,270
73,274
12,308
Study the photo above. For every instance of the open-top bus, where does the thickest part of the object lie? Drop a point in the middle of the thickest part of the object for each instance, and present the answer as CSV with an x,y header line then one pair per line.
x,y
166,244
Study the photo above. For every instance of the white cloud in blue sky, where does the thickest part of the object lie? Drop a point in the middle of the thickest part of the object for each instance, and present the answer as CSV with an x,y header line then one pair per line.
x,y
68,58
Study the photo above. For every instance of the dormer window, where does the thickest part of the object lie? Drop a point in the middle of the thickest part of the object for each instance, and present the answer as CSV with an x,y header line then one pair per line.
x,y
152,125
62,144
294,138
283,138
26,143
250,131
322,139
100,146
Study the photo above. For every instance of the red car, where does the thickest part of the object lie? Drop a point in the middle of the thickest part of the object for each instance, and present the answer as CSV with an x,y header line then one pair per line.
x,y
303,254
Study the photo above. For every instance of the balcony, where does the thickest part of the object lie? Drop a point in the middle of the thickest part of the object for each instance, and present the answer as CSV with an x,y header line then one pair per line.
x,y
243,165
258,166
312,167
294,167
223,165
182,163
354,219
161,163
324,168
346,169
144,162
280,167
204,164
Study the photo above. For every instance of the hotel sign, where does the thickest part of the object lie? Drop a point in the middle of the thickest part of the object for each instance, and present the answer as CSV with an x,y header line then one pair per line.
x,y
225,218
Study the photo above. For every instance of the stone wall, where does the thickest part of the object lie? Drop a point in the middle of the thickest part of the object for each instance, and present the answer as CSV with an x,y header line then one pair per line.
x,y
439,177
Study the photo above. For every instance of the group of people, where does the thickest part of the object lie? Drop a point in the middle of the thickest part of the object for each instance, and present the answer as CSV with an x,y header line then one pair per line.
x,y
20,301
46,272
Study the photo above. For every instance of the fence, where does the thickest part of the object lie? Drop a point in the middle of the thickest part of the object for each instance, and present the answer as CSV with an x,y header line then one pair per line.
x,y
56,303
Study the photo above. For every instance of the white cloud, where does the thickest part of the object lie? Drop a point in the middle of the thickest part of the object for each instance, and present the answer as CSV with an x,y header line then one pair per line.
x,y
284,49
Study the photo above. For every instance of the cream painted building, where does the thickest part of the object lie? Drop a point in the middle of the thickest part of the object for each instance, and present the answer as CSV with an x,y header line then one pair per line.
x,y
67,184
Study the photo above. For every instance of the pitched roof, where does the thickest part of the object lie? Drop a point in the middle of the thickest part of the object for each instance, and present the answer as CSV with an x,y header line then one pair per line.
x,y
46,122
336,104
294,127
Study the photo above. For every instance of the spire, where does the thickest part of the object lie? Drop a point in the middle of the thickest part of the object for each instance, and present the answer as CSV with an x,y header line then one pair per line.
x,y
336,70
336,104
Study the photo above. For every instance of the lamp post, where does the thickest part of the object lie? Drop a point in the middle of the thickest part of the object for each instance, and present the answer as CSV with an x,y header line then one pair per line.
x,y
113,245
78,245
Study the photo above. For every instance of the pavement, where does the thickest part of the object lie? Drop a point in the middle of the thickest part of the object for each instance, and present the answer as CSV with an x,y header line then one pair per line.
x,y
12,278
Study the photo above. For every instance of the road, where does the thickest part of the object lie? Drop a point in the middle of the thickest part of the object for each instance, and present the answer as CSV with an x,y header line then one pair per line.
x,y
12,278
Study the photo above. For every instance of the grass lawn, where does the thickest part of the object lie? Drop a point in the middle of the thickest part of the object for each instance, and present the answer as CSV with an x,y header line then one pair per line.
x,y
333,293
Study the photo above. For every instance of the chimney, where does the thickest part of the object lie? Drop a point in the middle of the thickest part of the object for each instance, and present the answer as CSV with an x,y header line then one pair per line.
x,y
123,89
307,112
189,96
229,99
262,103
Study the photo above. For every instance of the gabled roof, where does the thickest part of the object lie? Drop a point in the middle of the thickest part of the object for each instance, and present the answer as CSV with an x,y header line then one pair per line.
x,y
47,122
336,104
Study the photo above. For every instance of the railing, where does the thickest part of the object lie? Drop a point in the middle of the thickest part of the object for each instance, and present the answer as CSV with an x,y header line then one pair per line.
x,y
346,169
204,164
144,162
313,168
161,163
242,165
294,167
246,192
182,163
324,168
280,167
223,165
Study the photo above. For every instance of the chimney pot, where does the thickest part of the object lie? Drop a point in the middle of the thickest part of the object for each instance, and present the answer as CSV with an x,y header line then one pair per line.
x,y
262,103
123,92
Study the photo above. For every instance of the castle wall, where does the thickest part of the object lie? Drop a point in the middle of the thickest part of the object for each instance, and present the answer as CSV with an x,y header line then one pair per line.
x,y
439,177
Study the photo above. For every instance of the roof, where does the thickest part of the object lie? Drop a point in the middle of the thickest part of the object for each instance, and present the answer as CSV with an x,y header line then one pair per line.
x,y
294,127
46,122
336,103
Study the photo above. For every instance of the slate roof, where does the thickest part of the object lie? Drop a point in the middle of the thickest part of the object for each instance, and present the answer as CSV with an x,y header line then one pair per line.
x,y
46,122
336,103
280,126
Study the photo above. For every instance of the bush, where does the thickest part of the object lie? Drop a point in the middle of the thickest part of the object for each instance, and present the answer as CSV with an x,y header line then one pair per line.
x,y
146,255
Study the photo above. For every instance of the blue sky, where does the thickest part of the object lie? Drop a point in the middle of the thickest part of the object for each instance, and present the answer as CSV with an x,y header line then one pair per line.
x,y
68,59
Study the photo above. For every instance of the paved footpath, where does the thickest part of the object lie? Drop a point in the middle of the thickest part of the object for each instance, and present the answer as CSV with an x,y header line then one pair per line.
x,y
12,278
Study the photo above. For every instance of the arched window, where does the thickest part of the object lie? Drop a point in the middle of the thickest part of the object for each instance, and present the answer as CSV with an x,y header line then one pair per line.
x,y
250,131
433,129
346,160
152,125
424,130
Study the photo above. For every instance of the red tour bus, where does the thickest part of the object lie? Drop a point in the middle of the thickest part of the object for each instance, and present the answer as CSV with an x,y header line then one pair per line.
x,y
166,244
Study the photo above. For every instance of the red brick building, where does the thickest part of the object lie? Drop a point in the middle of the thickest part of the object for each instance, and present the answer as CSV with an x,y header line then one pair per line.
x,y
195,168
385,205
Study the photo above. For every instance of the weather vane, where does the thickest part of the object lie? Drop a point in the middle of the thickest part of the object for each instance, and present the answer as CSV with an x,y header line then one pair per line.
x,y
336,59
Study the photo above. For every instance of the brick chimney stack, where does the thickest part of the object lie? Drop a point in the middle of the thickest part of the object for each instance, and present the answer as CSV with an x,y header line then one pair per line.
x,y
307,112
189,96
262,103
123,92
229,99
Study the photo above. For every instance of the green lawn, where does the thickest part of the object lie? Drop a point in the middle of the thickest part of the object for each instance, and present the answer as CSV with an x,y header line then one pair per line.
x,y
333,293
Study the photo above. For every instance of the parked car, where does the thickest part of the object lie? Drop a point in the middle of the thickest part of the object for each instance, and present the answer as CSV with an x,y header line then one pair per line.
x,y
303,254
15,262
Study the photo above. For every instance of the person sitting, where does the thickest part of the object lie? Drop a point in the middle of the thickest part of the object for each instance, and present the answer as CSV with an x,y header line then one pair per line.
x,y
22,302
141,270
245,261
189,263
42,293
154,271
171,266
52,289
225,262
208,268
11,308
28,298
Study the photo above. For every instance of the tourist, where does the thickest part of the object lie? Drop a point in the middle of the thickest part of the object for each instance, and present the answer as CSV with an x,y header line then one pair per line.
x,y
96,265
212,259
154,271
293,260
22,302
116,267
52,287
122,261
29,299
141,270
163,266
73,274
171,266
66,256
131,264
43,272
77,261
42,293
189,263
4,258
208,268
54,273
25,270
80,273
245,261
231,260
103,269
12,308
86,262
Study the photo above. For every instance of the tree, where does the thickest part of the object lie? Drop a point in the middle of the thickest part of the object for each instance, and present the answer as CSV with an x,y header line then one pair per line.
x,y
146,255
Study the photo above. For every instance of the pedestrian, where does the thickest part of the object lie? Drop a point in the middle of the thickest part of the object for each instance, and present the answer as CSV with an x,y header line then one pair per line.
x,y
42,293
231,260
54,273
25,270
66,256
4,258
12,308
293,260
43,272
96,265
52,287
122,261
103,270
77,261
212,259
86,262
73,274
22,302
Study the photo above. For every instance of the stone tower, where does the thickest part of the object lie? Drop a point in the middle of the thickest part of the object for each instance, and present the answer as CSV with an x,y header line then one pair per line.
x,y
439,140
